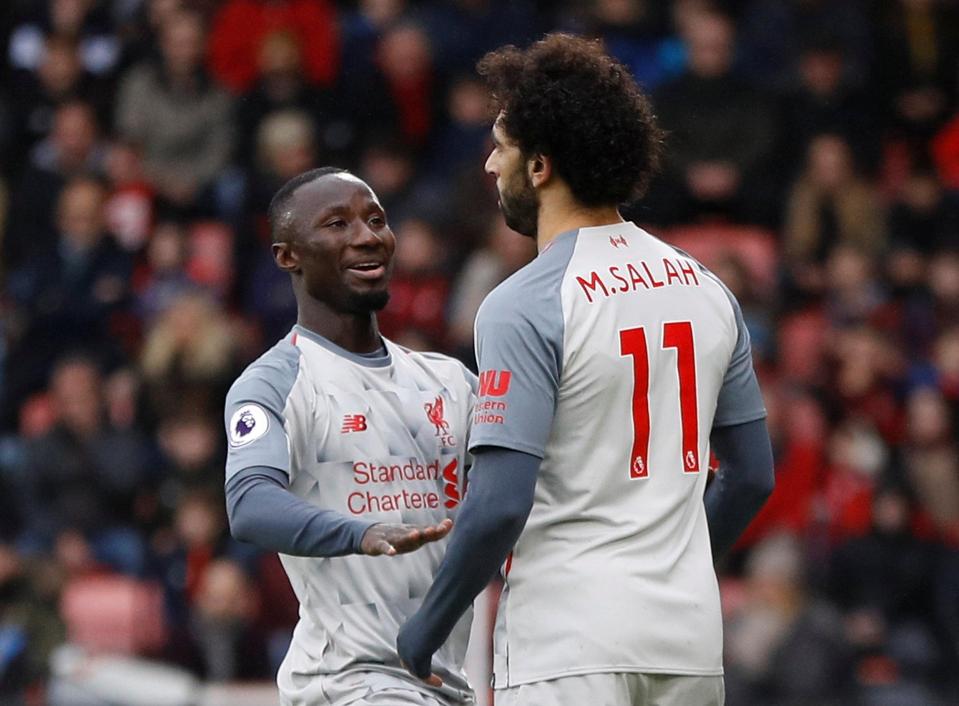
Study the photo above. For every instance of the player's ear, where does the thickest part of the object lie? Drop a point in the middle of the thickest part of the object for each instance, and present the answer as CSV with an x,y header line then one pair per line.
x,y
539,168
285,257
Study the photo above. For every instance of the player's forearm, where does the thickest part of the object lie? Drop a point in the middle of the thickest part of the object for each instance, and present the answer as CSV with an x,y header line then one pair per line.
x,y
744,481
263,512
500,497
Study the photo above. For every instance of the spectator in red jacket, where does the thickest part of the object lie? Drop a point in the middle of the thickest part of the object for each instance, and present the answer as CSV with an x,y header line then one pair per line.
x,y
241,25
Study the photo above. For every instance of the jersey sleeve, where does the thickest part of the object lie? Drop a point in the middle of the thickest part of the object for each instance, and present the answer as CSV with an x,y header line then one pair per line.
x,y
740,399
254,414
519,332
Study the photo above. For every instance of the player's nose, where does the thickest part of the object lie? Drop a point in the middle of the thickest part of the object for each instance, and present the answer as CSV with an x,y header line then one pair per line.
x,y
490,167
364,235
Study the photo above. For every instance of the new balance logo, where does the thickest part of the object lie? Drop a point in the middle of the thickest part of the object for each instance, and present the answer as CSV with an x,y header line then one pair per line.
x,y
353,422
616,242
494,383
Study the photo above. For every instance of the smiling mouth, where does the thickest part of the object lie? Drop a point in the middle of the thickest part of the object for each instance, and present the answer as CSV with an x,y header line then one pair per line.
x,y
368,270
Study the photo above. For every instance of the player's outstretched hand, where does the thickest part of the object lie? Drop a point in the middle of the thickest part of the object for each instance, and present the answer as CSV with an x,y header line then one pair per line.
x,y
399,539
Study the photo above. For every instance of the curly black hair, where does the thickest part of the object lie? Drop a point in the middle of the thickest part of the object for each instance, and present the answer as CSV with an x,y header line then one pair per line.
x,y
566,98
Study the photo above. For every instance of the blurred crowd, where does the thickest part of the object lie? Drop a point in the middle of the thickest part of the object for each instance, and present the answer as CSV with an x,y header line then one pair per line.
x,y
812,162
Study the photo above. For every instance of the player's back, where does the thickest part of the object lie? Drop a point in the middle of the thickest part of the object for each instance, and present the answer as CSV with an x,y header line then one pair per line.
x,y
613,571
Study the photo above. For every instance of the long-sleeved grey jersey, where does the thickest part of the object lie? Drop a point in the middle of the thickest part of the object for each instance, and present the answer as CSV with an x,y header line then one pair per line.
x,y
374,439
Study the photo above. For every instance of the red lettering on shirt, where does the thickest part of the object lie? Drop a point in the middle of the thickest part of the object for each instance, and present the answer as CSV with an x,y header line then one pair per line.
x,y
494,383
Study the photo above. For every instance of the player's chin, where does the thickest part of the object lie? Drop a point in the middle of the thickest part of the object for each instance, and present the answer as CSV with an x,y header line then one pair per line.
x,y
368,299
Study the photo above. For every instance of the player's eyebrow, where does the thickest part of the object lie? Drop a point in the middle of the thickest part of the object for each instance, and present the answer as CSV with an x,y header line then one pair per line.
x,y
331,210
343,209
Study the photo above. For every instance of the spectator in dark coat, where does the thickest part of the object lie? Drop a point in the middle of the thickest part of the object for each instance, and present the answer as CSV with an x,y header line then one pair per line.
x,y
67,295
72,149
721,133
82,476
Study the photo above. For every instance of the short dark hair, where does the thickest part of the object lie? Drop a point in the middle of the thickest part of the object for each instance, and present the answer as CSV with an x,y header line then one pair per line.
x,y
566,98
279,211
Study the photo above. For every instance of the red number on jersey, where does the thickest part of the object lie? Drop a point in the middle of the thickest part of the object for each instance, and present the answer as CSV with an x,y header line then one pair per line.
x,y
632,342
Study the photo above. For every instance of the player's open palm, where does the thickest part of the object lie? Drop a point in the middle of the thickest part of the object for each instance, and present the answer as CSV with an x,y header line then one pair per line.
x,y
392,539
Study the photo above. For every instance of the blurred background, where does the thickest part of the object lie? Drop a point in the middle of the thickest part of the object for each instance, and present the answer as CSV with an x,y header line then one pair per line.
x,y
813,163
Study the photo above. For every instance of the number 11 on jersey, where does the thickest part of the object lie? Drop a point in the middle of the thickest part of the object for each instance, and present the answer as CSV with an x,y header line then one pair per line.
x,y
632,342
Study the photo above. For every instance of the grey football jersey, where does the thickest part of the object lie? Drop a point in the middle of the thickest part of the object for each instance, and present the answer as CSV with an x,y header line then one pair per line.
x,y
611,356
382,440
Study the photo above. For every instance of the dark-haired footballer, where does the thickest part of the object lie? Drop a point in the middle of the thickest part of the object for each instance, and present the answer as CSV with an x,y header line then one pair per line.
x,y
343,444
608,367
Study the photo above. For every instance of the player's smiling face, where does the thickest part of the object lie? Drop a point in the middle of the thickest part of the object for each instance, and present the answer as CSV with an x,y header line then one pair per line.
x,y
343,243
517,197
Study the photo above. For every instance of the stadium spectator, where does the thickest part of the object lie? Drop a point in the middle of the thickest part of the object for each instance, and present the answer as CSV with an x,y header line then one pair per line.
x,y
853,293
363,26
757,315
721,133
797,426
931,459
282,85
462,140
189,355
881,582
463,30
785,646
503,253
389,166
85,22
223,622
178,117
419,288
824,100
286,146
638,34
407,85
945,152
190,446
945,362
240,27
773,33
916,59
829,204
163,278
82,477
66,295
30,623
72,149
197,559
59,78
129,207
924,217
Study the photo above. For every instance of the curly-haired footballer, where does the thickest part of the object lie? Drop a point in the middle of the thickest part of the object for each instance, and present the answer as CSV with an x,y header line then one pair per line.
x,y
609,365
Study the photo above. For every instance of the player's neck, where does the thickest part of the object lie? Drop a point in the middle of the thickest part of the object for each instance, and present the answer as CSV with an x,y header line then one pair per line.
x,y
559,215
357,333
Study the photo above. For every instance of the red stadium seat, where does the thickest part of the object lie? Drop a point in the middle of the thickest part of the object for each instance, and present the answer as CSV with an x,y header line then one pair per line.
x,y
709,243
109,613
